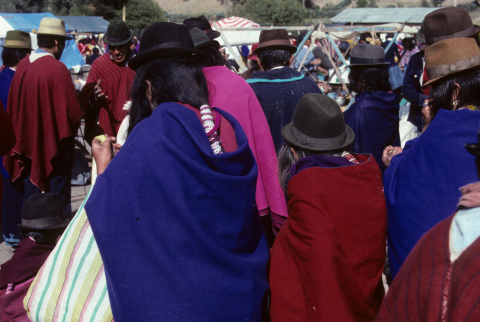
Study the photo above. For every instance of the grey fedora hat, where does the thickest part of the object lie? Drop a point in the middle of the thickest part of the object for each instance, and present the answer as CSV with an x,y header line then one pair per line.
x,y
366,55
318,125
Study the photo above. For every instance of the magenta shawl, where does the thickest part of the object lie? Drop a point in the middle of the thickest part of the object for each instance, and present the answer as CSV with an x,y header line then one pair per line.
x,y
231,93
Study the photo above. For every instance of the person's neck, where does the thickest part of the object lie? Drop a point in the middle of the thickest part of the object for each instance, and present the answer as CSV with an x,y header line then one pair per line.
x,y
48,50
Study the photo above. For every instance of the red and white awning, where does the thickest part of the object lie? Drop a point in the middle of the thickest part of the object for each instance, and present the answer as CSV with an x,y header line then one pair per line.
x,y
235,22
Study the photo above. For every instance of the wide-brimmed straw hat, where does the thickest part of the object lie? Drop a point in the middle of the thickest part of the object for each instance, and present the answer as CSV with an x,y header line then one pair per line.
x,y
53,27
366,55
42,211
274,39
200,39
163,40
318,125
17,39
451,56
118,33
446,23
202,24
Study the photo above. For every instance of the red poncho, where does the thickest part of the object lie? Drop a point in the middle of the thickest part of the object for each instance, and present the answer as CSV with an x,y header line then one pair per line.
x,y
116,83
43,105
429,287
328,259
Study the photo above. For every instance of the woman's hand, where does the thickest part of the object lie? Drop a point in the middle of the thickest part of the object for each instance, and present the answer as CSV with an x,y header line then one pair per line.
x,y
102,153
389,152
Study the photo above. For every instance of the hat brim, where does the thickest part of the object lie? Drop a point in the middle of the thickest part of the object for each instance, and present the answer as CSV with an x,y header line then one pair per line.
x,y
55,35
287,135
61,225
120,43
291,49
433,80
212,43
368,65
212,34
18,47
423,47
188,54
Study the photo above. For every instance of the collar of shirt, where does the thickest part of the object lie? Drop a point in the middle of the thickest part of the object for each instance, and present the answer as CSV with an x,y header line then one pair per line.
x,y
278,67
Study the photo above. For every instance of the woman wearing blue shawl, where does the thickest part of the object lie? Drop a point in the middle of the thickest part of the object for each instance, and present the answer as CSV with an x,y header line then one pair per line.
x,y
173,214
374,115
437,157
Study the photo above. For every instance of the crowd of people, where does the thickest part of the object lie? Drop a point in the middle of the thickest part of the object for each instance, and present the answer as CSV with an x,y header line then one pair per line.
x,y
252,197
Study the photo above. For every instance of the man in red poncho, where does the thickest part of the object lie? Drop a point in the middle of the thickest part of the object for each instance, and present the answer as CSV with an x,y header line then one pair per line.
x,y
109,84
46,115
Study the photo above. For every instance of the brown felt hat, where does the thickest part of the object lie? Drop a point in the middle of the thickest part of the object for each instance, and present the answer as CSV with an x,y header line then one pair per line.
x,y
451,56
17,39
274,39
446,23
318,125
53,27
366,55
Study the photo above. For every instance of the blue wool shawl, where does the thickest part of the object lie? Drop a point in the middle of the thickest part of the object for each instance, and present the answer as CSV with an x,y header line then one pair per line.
x,y
374,119
421,183
176,224
278,91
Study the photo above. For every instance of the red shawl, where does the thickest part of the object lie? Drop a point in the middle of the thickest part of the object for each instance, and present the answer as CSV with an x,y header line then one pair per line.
x,y
328,259
43,105
7,135
116,84
20,271
429,287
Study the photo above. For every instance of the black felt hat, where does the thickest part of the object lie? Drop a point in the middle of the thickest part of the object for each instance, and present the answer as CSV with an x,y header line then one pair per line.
x,y
165,39
42,211
445,23
117,33
200,39
274,39
202,24
318,125
366,55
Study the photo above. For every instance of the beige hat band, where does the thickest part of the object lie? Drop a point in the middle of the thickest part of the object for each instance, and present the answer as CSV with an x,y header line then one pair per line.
x,y
16,43
446,69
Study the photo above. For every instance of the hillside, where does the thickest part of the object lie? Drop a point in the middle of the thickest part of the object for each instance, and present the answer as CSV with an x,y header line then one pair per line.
x,y
193,7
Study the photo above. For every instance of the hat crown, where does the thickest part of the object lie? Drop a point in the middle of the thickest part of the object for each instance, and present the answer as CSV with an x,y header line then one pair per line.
x,y
164,33
450,51
52,26
275,34
117,33
318,116
17,39
274,39
42,210
198,36
367,51
198,22
446,22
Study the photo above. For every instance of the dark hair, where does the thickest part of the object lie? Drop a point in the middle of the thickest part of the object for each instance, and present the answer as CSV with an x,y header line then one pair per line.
x,y
212,57
369,79
95,50
274,58
45,237
254,66
173,80
11,57
48,41
442,91
286,159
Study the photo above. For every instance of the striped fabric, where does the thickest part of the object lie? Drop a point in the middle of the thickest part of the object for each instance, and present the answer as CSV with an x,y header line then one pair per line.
x,y
71,285
233,22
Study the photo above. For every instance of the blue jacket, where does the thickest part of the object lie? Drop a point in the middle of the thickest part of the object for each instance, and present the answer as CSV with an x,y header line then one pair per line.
x,y
374,119
278,92
439,158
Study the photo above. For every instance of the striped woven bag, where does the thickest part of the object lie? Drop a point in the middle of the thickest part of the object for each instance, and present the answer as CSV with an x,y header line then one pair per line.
x,y
71,285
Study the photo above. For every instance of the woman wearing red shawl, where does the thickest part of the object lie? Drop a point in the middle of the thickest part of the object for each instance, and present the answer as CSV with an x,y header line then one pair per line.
x,y
244,106
327,261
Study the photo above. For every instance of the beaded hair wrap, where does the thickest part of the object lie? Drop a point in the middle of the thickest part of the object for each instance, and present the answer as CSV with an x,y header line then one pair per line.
x,y
208,124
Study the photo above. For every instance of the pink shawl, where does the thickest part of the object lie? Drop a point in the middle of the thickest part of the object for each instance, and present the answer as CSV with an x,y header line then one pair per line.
x,y
232,94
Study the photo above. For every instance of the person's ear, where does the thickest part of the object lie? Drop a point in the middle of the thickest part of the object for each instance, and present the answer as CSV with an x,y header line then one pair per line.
x,y
259,62
149,90
455,95
295,155
291,59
